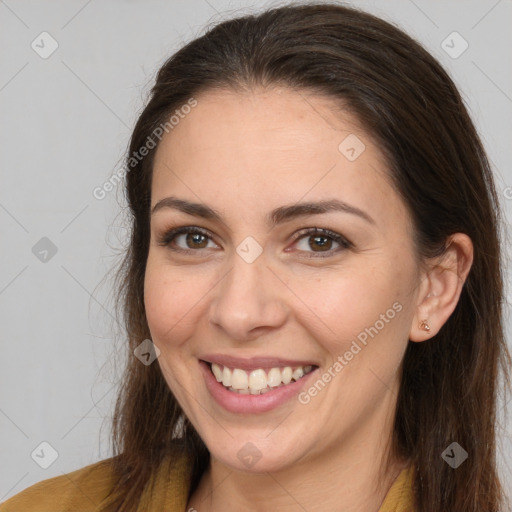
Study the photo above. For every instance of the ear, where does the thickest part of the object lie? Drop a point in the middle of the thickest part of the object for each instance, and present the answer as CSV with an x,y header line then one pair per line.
x,y
441,286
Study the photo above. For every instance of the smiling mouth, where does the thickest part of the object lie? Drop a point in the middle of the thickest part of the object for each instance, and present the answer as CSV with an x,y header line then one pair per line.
x,y
257,382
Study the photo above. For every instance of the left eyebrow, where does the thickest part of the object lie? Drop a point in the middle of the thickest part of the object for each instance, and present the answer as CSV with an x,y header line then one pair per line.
x,y
277,216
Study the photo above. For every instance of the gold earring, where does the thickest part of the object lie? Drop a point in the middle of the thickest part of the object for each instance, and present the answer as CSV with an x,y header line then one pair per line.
x,y
424,325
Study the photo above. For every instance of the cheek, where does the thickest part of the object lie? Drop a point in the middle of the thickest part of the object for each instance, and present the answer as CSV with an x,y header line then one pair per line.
x,y
362,303
346,297
171,301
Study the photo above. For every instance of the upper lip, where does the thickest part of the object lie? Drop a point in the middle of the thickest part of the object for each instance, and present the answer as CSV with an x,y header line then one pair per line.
x,y
254,363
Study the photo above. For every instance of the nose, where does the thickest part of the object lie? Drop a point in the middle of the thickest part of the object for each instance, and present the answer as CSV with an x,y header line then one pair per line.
x,y
249,300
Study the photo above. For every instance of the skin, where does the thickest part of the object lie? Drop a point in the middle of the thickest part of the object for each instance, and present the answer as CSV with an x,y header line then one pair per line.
x,y
245,154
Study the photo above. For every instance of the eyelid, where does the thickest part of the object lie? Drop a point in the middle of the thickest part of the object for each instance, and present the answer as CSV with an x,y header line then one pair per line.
x,y
170,235
337,237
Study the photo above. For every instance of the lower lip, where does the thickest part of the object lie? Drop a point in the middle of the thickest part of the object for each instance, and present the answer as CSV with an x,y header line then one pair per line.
x,y
235,402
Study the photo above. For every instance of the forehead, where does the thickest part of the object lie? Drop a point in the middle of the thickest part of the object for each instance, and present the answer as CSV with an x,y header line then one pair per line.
x,y
280,118
272,146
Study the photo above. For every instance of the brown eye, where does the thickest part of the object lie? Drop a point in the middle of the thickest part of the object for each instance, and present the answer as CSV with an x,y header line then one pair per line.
x,y
186,239
196,240
189,240
317,240
324,243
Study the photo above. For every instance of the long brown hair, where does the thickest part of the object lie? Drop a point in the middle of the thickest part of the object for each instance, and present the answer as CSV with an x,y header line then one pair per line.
x,y
409,104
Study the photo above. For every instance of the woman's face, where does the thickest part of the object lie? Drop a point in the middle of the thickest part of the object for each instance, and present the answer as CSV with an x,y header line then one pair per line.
x,y
258,295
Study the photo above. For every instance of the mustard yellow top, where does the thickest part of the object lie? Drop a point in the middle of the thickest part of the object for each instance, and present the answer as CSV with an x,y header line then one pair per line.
x,y
84,490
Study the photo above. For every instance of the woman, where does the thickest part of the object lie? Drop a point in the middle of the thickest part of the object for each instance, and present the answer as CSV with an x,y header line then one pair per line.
x,y
312,290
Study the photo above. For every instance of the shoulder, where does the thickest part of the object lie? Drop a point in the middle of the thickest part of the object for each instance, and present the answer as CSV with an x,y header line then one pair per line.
x,y
79,491
400,497
88,489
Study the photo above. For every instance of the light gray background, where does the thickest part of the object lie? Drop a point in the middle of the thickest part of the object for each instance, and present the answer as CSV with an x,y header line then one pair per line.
x,y
65,126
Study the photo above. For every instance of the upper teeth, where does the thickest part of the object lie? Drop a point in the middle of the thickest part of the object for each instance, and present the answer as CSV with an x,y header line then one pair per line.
x,y
257,381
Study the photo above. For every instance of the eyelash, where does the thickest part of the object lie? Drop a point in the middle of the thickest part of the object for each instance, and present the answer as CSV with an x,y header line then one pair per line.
x,y
166,239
